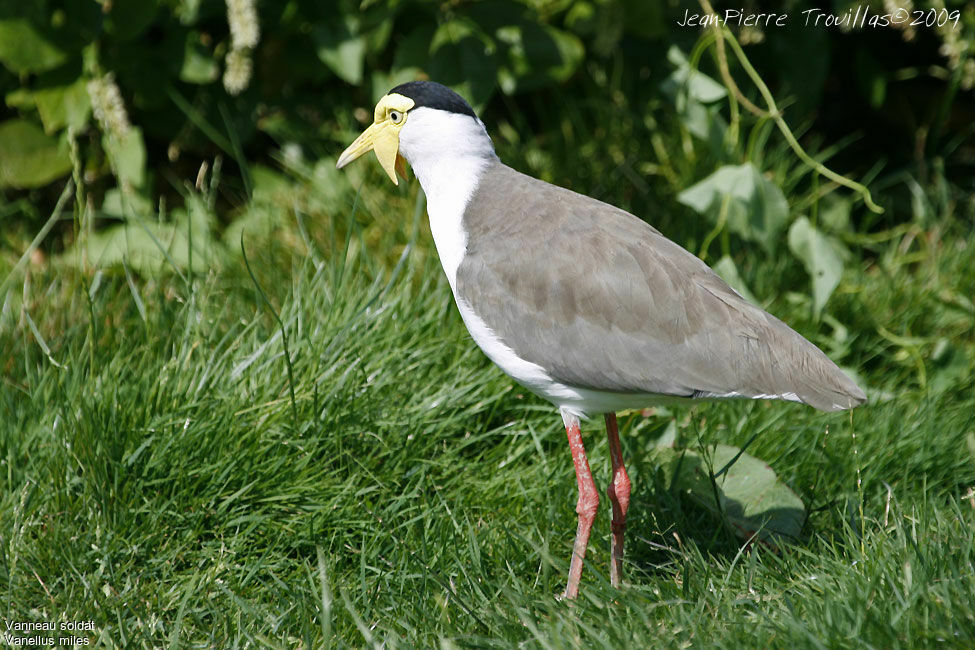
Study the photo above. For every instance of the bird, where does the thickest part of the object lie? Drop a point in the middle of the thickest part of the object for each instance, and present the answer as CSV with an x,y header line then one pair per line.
x,y
584,304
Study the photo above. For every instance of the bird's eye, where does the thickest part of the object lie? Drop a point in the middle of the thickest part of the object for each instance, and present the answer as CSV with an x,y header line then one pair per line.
x,y
395,117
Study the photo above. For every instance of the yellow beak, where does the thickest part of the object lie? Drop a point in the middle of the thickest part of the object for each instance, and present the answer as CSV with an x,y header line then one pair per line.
x,y
381,137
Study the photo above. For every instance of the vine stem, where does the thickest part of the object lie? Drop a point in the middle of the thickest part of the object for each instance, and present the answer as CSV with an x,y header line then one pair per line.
x,y
721,33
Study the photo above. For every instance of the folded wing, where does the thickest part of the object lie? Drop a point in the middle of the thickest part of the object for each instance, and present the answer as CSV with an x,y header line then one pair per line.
x,y
603,301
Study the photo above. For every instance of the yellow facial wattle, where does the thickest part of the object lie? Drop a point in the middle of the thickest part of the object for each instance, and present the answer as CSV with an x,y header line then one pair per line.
x,y
382,136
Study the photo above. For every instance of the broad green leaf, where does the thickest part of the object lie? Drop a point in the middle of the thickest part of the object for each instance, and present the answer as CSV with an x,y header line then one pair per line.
x,y
128,156
537,55
413,50
199,66
752,206
340,47
111,246
834,213
570,54
454,31
694,95
201,219
128,19
463,57
125,206
697,85
330,187
750,497
29,157
950,367
582,18
23,48
256,220
820,255
21,98
704,122
270,185
870,76
377,37
63,106
188,11
140,244
263,214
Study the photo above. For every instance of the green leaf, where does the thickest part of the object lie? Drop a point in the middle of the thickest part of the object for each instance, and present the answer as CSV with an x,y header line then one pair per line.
x,y
413,50
834,213
750,497
128,19
871,77
256,220
697,85
570,53
122,206
23,48
141,243
463,57
330,186
537,55
582,18
62,106
264,214
950,367
29,157
341,48
694,95
454,31
128,156
822,257
378,35
188,11
20,98
752,206
704,122
199,66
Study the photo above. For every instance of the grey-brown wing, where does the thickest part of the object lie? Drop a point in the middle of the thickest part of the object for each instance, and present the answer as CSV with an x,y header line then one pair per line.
x,y
604,301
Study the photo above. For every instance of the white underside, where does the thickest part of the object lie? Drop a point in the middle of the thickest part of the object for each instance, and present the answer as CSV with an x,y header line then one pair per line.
x,y
581,402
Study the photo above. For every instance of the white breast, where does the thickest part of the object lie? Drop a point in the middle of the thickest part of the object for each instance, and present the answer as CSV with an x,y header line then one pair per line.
x,y
448,153
580,402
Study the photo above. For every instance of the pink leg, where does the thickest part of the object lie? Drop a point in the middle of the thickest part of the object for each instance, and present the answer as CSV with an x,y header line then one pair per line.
x,y
619,498
586,506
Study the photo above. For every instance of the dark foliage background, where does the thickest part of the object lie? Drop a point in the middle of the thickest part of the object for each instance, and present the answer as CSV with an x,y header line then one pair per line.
x,y
579,83
300,446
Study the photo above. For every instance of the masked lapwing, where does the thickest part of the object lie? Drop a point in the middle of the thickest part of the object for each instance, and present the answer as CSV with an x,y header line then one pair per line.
x,y
584,304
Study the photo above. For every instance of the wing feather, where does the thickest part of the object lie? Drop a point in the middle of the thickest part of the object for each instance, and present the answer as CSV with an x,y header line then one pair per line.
x,y
603,301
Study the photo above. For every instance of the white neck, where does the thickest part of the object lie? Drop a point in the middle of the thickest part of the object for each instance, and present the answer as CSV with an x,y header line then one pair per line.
x,y
448,153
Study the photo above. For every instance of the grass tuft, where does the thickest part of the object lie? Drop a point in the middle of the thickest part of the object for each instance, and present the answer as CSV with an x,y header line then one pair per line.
x,y
165,475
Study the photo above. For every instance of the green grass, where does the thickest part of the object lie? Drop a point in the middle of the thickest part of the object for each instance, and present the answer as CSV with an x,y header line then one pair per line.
x,y
157,478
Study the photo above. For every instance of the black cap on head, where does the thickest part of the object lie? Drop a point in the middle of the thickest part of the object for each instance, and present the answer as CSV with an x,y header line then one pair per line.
x,y
434,95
